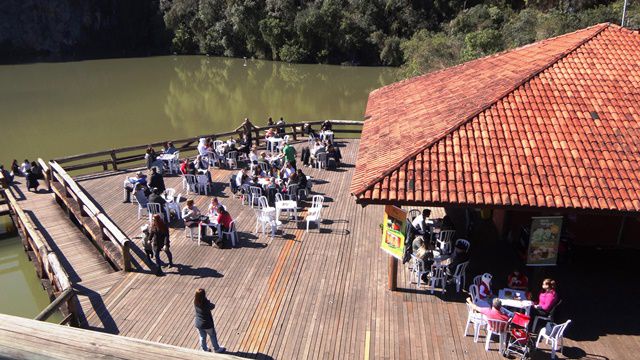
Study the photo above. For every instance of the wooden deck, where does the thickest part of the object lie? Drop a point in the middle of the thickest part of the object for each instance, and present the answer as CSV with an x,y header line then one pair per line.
x,y
80,259
301,295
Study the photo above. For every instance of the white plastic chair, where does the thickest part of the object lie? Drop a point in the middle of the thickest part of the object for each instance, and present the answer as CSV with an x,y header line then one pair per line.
x,y
314,217
417,270
549,317
154,208
477,320
190,183
554,338
321,160
292,192
280,198
496,327
477,280
264,218
142,203
255,194
444,241
232,159
459,276
233,235
203,184
283,143
313,213
438,276
169,193
192,233
473,291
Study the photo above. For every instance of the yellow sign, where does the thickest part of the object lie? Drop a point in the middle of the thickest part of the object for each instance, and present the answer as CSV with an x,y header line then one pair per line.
x,y
394,229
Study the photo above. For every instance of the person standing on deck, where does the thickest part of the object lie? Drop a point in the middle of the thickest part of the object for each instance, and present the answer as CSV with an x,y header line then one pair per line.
x,y
204,321
156,180
159,234
289,153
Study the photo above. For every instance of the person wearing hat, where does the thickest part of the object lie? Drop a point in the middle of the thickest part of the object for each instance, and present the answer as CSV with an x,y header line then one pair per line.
x,y
130,183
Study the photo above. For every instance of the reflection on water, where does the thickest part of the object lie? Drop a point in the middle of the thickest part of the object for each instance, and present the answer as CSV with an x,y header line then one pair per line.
x,y
51,110
22,294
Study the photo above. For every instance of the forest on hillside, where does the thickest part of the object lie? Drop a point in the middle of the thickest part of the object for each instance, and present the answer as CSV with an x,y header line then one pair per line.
x,y
418,35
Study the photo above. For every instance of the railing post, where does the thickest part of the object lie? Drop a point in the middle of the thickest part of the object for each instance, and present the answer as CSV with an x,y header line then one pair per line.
x,y
126,256
295,133
257,137
114,160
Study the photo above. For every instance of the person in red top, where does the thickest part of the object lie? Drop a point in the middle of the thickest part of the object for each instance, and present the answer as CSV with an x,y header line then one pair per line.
x,y
493,313
484,290
517,280
224,219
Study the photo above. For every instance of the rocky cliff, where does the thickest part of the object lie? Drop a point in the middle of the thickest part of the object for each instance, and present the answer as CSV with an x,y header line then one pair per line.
x,y
33,30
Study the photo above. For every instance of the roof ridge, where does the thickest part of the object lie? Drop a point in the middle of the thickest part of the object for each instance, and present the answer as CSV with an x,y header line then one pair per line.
x,y
490,103
466,63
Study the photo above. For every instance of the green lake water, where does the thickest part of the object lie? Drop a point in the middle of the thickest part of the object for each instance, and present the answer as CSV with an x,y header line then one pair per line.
x,y
49,110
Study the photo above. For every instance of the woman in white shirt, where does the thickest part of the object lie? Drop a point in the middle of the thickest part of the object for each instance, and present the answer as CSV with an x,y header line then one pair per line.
x,y
191,214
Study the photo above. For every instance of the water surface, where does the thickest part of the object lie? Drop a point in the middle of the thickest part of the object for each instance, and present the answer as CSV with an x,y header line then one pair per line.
x,y
56,109
22,294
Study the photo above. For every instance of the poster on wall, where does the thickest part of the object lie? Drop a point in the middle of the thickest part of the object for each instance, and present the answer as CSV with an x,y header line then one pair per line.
x,y
394,231
544,241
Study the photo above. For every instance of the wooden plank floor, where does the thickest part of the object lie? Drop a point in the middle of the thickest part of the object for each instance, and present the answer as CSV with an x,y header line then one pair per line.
x,y
79,257
301,295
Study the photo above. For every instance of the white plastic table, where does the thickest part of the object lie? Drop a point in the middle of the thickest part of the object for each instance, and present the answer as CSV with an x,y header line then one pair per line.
x,y
286,205
512,302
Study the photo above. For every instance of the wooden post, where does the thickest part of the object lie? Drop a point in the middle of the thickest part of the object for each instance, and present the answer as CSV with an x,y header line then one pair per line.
x,y
257,137
114,160
295,134
126,256
393,273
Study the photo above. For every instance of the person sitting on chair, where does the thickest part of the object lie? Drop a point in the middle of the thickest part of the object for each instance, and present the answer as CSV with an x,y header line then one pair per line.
x,y
191,215
169,149
517,280
460,255
547,298
495,312
484,290
32,181
131,183
420,223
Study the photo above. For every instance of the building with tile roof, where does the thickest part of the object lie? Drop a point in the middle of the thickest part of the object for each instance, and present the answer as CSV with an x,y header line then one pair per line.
x,y
548,126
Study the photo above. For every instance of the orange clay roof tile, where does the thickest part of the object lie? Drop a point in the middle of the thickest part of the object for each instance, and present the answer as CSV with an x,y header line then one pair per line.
x,y
552,124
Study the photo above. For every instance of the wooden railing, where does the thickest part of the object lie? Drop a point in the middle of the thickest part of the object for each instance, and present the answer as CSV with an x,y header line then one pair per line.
x,y
132,154
46,262
113,243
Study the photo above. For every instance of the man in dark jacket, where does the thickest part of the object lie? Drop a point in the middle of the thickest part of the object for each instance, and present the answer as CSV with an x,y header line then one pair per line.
x,y
156,180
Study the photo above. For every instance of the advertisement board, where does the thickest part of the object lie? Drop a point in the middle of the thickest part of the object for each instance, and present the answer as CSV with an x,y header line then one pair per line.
x,y
544,241
394,229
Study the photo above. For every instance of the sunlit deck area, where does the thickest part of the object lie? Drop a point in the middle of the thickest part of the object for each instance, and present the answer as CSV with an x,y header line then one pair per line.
x,y
299,295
